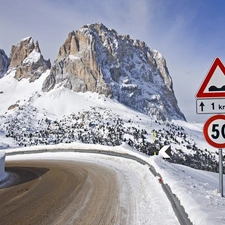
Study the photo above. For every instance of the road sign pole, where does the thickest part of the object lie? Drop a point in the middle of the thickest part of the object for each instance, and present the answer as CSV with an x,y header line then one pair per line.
x,y
221,172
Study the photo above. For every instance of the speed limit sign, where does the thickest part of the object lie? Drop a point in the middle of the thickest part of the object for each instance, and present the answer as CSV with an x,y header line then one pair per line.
x,y
214,131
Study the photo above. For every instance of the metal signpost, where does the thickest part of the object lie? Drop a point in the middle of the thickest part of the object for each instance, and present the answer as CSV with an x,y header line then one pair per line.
x,y
221,172
211,100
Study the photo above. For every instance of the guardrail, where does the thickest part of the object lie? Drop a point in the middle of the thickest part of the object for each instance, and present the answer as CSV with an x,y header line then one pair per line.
x,y
179,210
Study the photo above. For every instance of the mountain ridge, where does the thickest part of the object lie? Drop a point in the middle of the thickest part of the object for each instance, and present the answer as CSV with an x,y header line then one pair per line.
x,y
97,59
27,61
30,116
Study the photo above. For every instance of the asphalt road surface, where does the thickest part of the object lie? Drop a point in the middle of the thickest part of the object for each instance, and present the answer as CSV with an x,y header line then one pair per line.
x,y
60,193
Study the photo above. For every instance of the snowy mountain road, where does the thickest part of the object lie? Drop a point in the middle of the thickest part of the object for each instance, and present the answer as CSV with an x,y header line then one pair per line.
x,y
127,210
86,194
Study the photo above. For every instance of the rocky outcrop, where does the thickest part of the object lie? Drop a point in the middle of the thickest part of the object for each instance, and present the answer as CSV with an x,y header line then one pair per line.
x,y
76,67
13,106
97,59
4,62
26,59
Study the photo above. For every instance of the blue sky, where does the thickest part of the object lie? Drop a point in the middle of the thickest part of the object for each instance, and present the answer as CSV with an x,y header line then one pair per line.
x,y
189,33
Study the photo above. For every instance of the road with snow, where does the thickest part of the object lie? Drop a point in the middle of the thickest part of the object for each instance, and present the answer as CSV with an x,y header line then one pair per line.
x,y
61,193
72,188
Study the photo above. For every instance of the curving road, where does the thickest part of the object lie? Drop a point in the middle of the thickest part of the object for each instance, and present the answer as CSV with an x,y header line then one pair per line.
x,y
60,193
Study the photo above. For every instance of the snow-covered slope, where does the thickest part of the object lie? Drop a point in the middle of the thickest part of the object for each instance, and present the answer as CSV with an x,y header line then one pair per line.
x,y
17,93
30,116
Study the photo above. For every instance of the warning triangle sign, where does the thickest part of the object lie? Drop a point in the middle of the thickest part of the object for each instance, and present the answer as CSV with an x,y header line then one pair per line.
x,y
214,84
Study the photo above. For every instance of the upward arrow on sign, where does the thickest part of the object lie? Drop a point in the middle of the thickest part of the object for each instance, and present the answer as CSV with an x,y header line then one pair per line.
x,y
202,106
214,84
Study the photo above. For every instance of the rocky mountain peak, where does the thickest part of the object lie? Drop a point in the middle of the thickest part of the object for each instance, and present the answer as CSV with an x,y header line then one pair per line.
x,y
69,47
97,59
20,51
4,62
27,61
37,48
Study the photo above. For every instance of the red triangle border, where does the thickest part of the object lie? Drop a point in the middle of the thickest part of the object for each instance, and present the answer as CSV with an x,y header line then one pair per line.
x,y
200,93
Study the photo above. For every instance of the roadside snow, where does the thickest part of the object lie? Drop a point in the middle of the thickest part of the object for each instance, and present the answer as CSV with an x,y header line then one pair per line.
x,y
196,189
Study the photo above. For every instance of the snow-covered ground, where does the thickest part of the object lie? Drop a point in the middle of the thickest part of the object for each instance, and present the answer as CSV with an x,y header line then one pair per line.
x,y
196,189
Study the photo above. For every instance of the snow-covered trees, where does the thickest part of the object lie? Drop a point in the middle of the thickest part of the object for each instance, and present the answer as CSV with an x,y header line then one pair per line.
x,y
102,126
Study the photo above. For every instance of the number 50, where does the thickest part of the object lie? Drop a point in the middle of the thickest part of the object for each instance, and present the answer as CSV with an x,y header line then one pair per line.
x,y
216,131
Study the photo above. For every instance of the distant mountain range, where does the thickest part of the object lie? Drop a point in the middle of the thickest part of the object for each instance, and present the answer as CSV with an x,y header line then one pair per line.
x,y
103,88
97,59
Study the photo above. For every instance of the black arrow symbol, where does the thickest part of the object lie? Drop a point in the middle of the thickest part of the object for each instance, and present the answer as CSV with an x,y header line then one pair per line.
x,y
202,106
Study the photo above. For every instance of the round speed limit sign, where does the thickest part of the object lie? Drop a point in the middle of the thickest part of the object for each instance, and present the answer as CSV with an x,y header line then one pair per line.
x,y
214,131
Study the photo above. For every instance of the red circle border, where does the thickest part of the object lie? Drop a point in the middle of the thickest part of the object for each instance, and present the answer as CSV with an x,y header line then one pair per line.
x,y
205,130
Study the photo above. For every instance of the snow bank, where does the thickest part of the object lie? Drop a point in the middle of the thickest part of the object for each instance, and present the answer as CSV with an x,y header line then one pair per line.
x,y
2,165
197,191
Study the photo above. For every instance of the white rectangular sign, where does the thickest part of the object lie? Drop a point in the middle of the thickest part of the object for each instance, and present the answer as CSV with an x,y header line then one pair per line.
x,y
210,106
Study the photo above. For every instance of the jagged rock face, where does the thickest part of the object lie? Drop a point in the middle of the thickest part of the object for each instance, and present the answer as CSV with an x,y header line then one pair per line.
x,y
26,59
97,59
4,62
76,67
